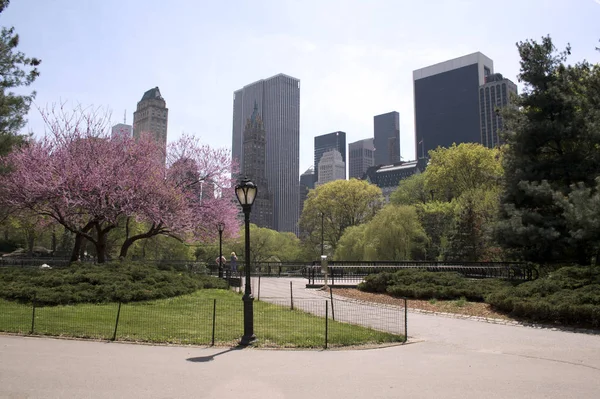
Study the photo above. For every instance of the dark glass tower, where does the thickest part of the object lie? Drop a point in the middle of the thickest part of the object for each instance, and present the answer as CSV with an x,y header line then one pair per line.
x,y
447,102
386,138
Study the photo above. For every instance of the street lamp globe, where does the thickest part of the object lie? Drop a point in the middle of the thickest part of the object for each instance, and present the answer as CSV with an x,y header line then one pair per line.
x,y
246,192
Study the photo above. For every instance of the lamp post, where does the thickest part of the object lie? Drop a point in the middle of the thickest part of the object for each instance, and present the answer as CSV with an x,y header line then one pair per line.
x,y
246,191
322,236
220,227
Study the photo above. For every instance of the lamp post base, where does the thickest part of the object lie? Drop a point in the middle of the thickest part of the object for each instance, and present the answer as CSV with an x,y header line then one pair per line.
x,y
245,341
249,336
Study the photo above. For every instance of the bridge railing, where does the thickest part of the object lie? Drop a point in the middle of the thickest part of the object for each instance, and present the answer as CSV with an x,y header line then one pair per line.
x,y
346,272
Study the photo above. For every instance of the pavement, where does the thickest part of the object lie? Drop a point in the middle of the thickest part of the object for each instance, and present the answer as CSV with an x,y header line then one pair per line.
x,y
445,358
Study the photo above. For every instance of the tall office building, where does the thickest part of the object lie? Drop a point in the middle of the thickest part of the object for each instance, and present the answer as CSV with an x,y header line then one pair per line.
x,y
254,168
121,130
307,183
447,102
331,167
386,138
327,142
152,116
278,100
361,156
493,95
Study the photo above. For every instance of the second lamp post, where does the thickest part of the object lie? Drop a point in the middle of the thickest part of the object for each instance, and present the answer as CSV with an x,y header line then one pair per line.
x,y
220,227
246,191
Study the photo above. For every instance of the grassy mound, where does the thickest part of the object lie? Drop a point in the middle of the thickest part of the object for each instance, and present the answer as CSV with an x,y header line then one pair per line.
x,y
421,284
109,282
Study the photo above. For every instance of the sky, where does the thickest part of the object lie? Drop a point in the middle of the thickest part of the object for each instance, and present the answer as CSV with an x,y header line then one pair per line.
x,y
354,58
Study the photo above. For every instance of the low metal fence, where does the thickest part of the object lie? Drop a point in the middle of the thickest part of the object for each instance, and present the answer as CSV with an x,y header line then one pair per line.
x,y
352,273
280,322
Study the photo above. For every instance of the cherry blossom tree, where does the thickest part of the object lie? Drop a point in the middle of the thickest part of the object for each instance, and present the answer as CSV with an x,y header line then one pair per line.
x,y
92,183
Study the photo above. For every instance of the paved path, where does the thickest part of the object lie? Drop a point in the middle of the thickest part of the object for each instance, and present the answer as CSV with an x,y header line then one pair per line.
x,y
449,358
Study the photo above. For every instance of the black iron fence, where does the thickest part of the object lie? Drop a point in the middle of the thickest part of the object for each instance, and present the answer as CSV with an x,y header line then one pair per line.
x,y
352,273
281,322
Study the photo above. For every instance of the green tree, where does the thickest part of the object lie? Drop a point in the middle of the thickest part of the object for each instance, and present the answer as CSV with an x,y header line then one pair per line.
x,y
403,237
437,219
553,143
582,214
336,206
452,171
411,191
16,70
268,245
351,245
471,238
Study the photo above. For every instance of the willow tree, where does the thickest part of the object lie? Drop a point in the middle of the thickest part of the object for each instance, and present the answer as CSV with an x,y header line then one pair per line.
x,y
333,207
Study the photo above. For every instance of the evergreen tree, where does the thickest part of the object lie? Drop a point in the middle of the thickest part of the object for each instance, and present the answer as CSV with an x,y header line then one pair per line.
x,y
553,141
16,70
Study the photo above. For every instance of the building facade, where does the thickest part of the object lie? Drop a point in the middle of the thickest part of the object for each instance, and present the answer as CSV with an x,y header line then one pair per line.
x,y
494,94
327,142
307,183
361,156
121,130
386,138
254,168
278,100
331,167
387,177
152,116
446,98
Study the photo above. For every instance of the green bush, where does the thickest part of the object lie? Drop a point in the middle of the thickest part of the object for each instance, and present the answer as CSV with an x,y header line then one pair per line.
x,y
109,282
570,295
421,284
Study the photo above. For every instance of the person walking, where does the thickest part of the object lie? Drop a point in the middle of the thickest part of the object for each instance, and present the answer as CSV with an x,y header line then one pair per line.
x,y
233,262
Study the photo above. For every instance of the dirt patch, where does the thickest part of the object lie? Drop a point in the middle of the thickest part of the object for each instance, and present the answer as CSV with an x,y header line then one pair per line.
x,y
455,306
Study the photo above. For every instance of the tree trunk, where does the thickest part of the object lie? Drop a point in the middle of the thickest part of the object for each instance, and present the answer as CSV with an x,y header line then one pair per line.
x,y
76,247
125,247
153,231
101,246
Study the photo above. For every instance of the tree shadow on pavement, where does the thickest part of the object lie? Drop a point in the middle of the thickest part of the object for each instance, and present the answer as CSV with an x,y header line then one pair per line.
x,y
204,359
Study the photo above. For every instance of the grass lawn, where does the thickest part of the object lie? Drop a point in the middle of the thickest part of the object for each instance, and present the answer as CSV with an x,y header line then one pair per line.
x,y
188,319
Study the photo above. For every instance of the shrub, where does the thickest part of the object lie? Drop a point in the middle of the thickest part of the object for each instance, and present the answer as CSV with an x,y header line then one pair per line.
x,y
570,295
422,284
109,282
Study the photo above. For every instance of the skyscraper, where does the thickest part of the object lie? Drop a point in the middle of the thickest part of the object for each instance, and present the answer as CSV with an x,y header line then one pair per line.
x,y
254,168
326,142
331,167
493,95
151,116
307,182
121,130
386,138
447,102
278,100
361,156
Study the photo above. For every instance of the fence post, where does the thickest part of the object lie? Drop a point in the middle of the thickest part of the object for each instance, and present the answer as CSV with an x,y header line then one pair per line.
x,y
326,322
332,309
117,322
405,321
214,320
332,277
258,299
33,314
291,296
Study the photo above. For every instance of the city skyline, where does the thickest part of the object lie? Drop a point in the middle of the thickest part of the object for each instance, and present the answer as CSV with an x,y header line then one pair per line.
x,y
352,68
